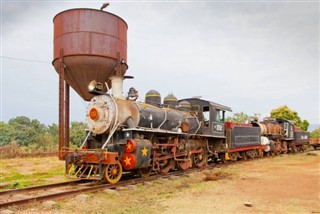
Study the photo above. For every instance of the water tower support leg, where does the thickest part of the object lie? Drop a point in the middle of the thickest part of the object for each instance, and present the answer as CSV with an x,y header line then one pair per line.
x,y
61,112
64,109
67,115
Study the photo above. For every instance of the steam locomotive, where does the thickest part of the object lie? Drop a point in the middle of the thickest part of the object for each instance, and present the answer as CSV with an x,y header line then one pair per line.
x,y
126,136
140,137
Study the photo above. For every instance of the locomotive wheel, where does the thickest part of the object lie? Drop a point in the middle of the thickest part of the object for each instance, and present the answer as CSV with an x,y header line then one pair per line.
x,y
166,166
145,172
261,153
293,149
233,156
301,149
199,159
244,155
284,147
183,165
222,158
250,154
113,173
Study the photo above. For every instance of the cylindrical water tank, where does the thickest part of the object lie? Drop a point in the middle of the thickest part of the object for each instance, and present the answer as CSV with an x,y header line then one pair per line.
x,y
90,42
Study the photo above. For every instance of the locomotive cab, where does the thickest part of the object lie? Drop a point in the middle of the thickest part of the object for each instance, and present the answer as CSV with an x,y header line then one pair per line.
x,y
211,116
288,127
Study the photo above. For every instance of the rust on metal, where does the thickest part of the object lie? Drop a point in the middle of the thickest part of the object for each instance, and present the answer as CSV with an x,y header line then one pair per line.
x,y
67,115
61,104
91,40
96,156
315,142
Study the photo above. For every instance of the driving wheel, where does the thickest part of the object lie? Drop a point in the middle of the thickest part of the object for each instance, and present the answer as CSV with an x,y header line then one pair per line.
x,y
113,172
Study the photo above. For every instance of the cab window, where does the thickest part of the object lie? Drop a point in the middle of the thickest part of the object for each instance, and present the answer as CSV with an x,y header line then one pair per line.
x,y
206,116
220,116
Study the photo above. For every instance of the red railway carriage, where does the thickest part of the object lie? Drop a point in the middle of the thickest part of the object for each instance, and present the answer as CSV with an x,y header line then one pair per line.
x,y
243,140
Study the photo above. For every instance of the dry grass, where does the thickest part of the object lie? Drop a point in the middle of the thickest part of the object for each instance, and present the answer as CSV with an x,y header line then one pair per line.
x,y
15,151
218,175
23,172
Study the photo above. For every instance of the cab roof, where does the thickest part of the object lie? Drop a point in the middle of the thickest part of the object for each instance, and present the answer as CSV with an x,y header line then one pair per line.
x,y
207,103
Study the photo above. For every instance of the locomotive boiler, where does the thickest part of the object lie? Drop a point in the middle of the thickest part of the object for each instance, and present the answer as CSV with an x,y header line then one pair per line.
x,y
106,113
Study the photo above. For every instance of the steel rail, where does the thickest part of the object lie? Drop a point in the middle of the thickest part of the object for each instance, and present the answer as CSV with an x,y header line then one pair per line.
x,y
32,188
96,188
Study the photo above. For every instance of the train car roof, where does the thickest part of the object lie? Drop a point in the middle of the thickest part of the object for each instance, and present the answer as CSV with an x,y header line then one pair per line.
x,y
285,120
206,102
272,119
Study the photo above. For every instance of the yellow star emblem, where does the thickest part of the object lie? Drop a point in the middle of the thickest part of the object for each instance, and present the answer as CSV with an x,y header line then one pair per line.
x,y
127,161
129,146
144,151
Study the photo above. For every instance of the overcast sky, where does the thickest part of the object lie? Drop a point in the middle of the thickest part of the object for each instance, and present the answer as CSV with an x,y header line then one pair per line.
x,y
251,56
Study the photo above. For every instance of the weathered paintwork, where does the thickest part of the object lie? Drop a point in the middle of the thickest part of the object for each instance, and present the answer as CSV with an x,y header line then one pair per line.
x,y
91,41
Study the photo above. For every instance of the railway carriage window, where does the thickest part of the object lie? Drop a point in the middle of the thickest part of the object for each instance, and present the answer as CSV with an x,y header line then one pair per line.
x,y
206,116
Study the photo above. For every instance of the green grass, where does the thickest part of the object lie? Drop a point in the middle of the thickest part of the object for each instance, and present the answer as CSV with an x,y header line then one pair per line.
x,y
24,172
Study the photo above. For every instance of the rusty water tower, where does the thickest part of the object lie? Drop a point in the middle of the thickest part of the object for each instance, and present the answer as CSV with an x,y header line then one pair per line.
x,y
89,45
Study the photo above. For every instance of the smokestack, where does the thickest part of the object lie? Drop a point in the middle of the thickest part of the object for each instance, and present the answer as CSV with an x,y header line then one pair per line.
x,y
116,84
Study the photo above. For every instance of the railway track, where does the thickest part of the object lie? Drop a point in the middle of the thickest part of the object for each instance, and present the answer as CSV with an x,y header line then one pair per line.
x,y
36,194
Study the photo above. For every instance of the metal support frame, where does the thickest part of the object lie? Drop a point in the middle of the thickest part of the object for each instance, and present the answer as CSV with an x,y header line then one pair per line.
x,y
118,66
64,108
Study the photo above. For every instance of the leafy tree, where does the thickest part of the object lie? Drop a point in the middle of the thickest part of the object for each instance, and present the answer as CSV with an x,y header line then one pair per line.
x,y
5,134
30,134
238,117
284,112
45,142
22,133
77,133
315,133
53,131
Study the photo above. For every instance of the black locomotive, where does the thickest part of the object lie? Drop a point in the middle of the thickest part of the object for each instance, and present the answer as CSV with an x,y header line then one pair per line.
x,y
136,137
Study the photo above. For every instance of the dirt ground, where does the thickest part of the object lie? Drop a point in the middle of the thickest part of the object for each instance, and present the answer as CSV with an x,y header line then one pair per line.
x,y
282,184
279,185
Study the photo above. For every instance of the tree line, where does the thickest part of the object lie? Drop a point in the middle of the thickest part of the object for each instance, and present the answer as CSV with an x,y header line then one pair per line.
x,y
283,112
32,134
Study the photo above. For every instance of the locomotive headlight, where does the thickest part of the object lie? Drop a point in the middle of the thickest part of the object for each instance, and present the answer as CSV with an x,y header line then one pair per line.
x,y
93,114
95,86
